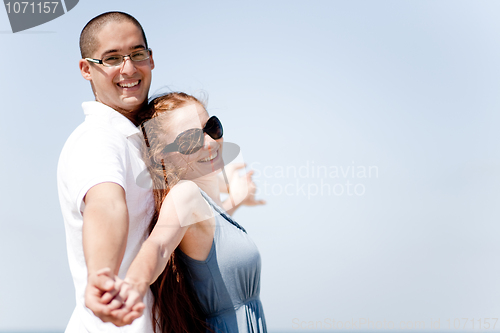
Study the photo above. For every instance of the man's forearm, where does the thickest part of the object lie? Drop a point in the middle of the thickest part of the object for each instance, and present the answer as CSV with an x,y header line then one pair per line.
x,y
105,227
105,231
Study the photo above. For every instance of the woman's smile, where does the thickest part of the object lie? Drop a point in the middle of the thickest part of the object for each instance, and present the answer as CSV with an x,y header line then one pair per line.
x,y
210,158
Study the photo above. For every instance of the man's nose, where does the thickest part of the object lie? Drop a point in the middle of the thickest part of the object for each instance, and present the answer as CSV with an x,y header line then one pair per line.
x,y
128,66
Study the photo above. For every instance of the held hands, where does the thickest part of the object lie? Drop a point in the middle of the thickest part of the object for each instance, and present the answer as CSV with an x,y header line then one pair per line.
x,y
113,299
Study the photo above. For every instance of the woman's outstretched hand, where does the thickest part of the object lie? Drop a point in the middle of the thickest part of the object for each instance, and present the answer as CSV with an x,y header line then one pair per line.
x,y
242,189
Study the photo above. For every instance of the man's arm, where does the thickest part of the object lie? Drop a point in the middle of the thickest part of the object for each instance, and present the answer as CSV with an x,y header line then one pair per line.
x,y
105,227
105,231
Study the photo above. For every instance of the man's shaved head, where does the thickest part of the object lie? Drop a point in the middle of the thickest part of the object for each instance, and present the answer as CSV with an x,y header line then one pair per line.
x,y
88,38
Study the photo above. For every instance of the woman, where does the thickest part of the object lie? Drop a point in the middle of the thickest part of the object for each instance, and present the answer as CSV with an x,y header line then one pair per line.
x,y
212,279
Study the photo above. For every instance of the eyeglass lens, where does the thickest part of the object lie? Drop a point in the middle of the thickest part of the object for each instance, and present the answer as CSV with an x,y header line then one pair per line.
x,y
117,59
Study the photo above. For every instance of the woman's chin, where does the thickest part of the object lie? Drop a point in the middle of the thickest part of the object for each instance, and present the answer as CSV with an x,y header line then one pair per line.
x,y
213,165
203,174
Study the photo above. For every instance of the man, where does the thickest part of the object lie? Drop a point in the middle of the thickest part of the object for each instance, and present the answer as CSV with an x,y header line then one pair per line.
x,y
106,213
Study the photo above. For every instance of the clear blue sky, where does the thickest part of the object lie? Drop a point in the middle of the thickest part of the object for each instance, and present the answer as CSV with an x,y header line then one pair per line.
x,y
311,91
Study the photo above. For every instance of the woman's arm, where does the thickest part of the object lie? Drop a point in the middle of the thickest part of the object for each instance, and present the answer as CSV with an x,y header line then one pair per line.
x,y
242,189
182,207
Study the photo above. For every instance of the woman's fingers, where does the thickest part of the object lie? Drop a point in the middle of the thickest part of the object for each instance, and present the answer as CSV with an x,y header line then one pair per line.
x,y
118,299
109,296
132,306
133,299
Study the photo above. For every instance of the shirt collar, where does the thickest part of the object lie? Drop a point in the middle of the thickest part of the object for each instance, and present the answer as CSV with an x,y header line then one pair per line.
x,y
115,118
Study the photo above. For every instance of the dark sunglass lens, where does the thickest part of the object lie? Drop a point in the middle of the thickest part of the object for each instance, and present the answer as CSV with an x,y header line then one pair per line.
x,y
214,128
190,142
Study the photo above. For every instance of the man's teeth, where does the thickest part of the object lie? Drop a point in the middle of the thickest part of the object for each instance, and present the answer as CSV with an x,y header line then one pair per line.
x,y
128,85
209,158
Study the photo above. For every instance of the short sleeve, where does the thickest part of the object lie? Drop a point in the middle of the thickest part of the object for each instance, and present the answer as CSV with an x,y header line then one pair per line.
x,y
96,156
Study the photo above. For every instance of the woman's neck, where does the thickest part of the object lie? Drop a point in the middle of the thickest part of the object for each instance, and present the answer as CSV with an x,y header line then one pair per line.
x,y
210,185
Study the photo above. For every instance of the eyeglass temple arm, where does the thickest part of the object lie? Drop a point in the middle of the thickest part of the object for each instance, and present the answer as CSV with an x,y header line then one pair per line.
x,y
95,61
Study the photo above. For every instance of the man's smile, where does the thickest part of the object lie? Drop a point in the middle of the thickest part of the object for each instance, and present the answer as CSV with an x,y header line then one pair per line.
x,y
129,84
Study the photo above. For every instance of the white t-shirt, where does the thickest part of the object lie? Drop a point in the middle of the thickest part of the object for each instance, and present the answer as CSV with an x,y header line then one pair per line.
x,y
104,148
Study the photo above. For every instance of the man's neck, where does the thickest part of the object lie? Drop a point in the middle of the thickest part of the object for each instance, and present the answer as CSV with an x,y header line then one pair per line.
x,y
136,116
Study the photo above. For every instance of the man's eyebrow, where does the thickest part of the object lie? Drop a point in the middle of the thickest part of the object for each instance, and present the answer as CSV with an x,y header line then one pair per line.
x,y
109,51
139,46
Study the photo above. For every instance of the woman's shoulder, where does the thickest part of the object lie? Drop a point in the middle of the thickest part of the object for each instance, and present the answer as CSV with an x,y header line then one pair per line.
x,y
185,188
185,192
187,201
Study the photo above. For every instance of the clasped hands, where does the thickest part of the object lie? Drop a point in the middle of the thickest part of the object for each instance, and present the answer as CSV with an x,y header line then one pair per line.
x,y
113,299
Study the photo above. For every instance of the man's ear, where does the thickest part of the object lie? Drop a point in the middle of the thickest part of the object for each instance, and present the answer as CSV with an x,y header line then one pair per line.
x,y
151,61
85,69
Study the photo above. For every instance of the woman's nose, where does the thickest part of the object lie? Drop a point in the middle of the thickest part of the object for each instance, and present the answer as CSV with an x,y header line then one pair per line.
x,y
209,142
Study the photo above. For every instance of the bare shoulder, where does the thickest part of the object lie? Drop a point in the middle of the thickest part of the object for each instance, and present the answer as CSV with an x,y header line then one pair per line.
x,y
186,201
185,187
185,192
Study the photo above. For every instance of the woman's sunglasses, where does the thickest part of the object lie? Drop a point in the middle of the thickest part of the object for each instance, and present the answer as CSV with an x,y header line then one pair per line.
x,y
192,140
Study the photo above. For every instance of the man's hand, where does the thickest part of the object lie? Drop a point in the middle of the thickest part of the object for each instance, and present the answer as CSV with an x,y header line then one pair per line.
x,y
102,296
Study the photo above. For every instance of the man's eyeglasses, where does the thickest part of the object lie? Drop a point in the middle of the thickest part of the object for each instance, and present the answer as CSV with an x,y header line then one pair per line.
x,y
192,140
117,59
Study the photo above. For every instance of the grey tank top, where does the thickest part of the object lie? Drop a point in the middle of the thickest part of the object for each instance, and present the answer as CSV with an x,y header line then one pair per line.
x,y
227,283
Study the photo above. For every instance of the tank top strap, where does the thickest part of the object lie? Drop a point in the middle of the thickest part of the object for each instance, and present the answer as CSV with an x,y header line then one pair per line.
x,y
221,211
